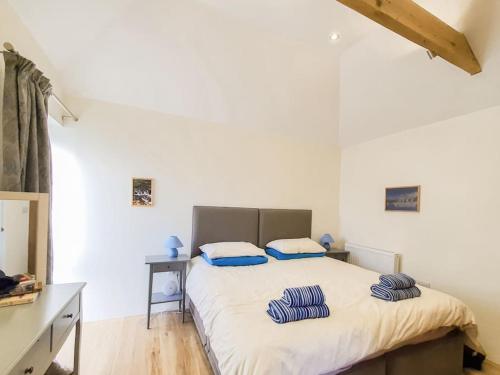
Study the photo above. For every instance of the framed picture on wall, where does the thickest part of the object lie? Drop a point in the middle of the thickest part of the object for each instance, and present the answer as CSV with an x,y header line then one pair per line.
x,y
405,198
142,192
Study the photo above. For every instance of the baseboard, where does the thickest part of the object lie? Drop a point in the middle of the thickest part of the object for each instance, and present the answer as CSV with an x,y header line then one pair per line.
x,y
492,364
491,367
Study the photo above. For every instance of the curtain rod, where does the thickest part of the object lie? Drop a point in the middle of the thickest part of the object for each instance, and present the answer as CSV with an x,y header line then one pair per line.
x,y
10,48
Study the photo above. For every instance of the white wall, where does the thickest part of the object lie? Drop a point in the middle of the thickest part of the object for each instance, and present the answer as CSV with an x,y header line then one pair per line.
x,y
101,239
453,242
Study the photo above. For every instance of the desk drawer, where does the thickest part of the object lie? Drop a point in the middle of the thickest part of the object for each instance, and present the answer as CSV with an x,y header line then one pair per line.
x,y
167,267
65,321
37,360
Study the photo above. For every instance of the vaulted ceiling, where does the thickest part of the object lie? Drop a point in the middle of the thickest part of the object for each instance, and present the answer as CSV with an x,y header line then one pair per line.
x,y
388,84
264,64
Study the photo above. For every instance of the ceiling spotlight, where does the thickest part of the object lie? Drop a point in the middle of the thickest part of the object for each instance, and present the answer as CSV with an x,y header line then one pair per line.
x,y
334,37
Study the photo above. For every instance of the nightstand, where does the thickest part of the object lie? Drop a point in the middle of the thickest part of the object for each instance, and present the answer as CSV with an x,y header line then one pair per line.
x,y
341,255
164,263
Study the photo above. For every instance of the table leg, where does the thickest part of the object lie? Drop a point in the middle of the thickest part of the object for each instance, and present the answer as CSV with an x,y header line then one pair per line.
x,y
78,340
183,275
76,356
150,292
180,289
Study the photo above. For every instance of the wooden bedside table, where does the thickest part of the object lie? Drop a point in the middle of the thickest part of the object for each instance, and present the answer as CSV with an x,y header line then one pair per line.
x,y
341,255
164,263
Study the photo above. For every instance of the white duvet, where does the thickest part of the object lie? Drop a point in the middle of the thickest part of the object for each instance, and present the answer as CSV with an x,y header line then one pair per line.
x,y
232,303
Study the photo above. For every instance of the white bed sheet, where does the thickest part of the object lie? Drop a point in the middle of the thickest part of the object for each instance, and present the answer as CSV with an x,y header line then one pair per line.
x,y
232,303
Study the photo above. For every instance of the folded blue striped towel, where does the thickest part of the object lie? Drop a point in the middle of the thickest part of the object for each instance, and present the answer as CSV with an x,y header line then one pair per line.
x,y
394,295
281,313
303,296
397,281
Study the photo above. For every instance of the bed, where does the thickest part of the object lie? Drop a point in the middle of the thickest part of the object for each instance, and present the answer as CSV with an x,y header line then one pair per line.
x,y
362,336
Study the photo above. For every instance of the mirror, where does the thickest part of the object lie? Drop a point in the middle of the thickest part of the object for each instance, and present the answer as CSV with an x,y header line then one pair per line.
x,y
14,236
24,218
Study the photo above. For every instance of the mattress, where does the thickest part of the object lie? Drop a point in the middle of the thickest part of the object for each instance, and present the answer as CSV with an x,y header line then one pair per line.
x,y
232,303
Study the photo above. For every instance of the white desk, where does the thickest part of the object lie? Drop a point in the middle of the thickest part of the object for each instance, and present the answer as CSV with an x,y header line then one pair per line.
x,y
31,335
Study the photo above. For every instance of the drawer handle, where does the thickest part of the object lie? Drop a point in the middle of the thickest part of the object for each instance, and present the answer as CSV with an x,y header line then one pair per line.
x,y
67,316
29,370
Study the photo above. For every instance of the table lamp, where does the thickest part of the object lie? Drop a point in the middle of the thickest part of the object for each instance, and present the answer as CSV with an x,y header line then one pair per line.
x,y
326,240
172,243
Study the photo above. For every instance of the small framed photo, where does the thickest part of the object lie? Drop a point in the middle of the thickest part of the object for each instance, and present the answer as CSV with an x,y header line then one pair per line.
x,y
406,198
142,192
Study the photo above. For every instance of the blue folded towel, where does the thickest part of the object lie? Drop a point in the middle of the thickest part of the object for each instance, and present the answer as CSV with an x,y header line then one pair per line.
x,y
397,281
281,313
303,296
394,295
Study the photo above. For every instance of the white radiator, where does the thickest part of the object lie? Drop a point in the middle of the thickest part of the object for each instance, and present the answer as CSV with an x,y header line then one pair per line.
x,y
381,261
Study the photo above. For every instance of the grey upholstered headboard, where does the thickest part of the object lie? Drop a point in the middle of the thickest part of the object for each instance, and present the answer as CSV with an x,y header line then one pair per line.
x,y
258,226
223,224
278,224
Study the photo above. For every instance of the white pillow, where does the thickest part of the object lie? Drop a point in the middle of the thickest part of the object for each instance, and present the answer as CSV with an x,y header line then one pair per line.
x,y
296,245
231,249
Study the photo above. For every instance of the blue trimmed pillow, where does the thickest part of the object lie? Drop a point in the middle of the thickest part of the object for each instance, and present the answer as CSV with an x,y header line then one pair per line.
x,y
296,245
282,256
235,261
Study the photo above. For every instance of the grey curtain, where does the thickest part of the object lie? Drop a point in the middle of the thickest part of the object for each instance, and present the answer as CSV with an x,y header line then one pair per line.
x,y
25,138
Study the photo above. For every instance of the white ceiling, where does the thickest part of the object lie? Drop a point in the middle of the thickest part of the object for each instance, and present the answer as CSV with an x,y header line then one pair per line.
x,y
255,63
389,85
66,27
258,63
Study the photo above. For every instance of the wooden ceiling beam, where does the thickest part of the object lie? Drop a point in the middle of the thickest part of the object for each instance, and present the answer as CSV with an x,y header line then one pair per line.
x,y
413,22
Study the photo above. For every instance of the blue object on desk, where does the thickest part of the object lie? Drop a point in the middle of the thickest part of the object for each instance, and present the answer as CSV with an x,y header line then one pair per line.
x,y
172,243
326,241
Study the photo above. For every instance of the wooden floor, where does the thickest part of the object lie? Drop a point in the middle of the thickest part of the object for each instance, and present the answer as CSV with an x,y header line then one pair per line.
x,y
125,347
488,369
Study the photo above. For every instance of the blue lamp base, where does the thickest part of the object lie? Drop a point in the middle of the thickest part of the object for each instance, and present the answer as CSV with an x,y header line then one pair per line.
x,y
172,252
326,245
